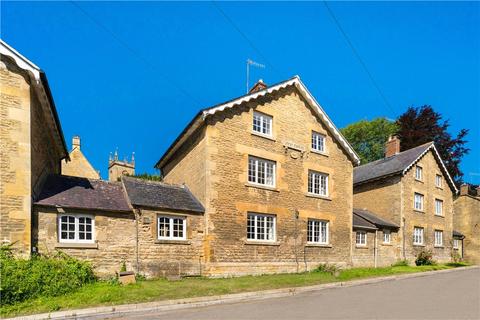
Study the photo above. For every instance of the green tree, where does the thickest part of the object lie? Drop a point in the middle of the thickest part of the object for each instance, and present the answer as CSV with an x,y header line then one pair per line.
x,y
148,176
368,137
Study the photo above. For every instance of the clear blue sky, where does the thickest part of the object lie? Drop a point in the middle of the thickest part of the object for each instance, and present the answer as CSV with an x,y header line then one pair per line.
x,y
124,86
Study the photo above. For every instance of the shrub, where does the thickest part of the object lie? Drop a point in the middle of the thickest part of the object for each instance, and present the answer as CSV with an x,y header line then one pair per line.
x,y
424,258
327,268
401,263
54,275
456,258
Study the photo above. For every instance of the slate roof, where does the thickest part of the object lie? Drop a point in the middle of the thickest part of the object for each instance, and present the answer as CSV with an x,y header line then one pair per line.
x,y
457,234
83,193
161,195
388,166
361,223
373,218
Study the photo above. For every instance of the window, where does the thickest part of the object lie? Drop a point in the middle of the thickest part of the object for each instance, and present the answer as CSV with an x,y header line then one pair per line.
x,y
317,231
418,201
418,173
438,181
172,228
418,236
456,243
261,171
318,183
438,238
260,227
361,238
386,236
76,228
438,207
318,142
262,123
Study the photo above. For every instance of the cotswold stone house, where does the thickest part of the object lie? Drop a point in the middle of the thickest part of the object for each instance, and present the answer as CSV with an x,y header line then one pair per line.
x,y
275,177
413,190
32,144
466,220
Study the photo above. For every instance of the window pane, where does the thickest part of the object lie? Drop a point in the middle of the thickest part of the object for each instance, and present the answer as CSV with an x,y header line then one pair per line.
x,y
260,227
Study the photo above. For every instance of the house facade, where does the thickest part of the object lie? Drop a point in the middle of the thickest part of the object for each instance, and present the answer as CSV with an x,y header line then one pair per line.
x,y
32,144
466,221
413,190
275,177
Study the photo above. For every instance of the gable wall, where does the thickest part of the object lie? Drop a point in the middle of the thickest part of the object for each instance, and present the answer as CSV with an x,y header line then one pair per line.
x,y
466,219
78,166
230,197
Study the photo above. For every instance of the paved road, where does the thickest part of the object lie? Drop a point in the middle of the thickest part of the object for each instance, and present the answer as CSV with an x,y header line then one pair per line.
x,y
454,295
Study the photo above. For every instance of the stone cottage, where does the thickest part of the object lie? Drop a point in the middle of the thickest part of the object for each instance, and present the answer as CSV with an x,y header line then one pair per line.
x,y
413,190
466,221
274,175
32,144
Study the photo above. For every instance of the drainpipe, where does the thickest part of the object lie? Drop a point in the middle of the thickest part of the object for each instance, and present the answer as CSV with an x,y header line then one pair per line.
x,y
137,216
295,239
403,239
375,249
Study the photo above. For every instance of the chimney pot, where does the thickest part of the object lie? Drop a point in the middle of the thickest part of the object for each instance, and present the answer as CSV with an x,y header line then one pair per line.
x,y
76,142
392,146
260,85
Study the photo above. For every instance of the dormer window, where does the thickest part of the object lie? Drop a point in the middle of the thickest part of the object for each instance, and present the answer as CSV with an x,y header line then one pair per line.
x,y
318,142
262,123
418,173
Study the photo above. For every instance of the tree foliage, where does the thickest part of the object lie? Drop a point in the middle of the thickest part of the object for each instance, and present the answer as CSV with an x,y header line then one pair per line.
x,y
368,137
419,125
148,176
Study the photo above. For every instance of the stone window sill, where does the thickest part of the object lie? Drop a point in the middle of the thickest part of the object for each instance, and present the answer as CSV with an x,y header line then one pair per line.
x,y
439,215
418,180
258,134
73,245
325,154
439,247
386,244
317,196
262,243
418,211
419,245
361,247
259,186
318,245
181,242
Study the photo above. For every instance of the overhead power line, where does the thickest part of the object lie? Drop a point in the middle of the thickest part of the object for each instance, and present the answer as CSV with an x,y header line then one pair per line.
x,y
234,25
359,58
134,52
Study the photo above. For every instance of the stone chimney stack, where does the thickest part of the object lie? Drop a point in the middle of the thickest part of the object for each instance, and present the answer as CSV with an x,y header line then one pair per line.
x,y
392,146
464,188
76,142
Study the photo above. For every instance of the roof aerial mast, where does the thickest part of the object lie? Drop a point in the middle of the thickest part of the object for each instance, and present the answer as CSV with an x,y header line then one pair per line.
x,y
255,64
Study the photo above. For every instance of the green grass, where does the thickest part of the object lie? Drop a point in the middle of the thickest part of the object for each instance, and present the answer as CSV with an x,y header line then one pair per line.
x,y
106,294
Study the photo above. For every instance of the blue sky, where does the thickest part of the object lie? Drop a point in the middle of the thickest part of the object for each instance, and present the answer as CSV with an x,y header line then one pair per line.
x,y
131,75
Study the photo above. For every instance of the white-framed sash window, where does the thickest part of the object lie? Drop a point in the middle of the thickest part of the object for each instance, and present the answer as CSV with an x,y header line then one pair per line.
x,y
261,227
261,171
418,236
361,238
262,123
386,236
318,183
76,228
438,181
318,142
418,201
456,243
317,231
419,173
438,238
171,227
439,207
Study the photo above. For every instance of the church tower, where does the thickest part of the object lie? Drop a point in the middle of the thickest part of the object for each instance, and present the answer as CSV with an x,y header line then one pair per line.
x,y
117,168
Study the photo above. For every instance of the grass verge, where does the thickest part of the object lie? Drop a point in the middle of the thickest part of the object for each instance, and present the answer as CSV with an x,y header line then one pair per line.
x,y
106,294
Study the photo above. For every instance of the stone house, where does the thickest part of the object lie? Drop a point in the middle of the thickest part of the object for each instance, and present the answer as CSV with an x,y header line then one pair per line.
x,y
466,221
78,166
373,240
274,175
413,190
32,144
110,223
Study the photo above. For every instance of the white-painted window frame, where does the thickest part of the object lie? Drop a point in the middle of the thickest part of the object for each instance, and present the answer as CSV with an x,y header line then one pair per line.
x,y
262,122
456,243
387,236
359,240
315,182
171,225
77,217
255,166
438,181
418,173
319,142
421,201
418,236
438,238
272,237
323,231
438,207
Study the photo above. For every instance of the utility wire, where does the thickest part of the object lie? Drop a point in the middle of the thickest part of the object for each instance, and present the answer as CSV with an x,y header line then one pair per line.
x,y
243,35
133,51
359,58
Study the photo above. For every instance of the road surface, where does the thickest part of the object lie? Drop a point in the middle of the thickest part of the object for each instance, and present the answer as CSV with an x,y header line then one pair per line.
x,y
454,295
